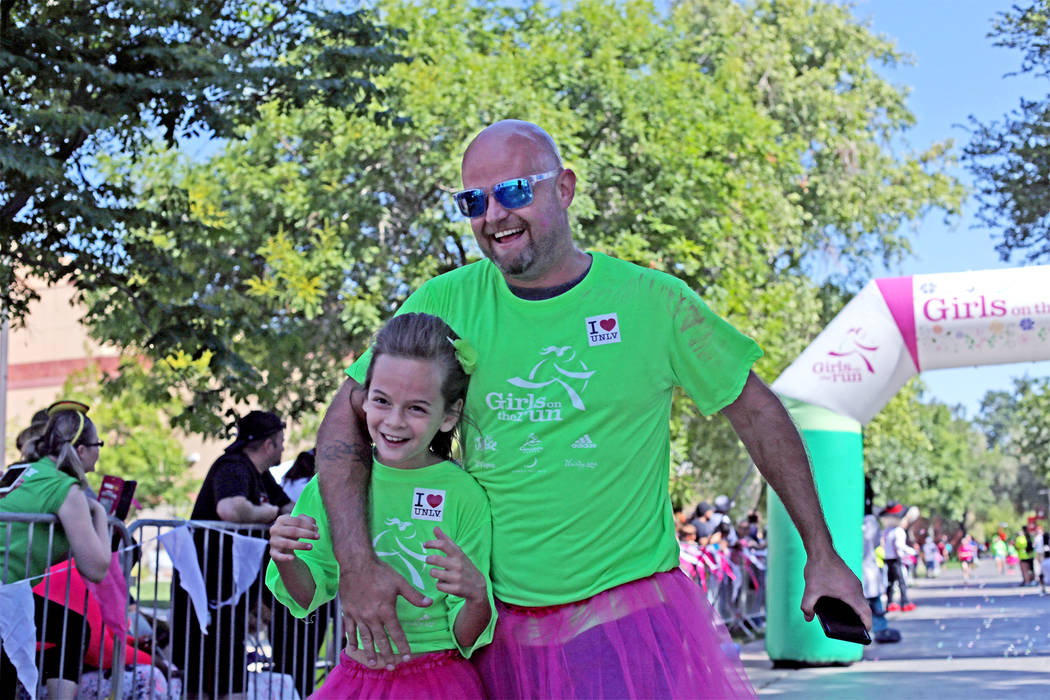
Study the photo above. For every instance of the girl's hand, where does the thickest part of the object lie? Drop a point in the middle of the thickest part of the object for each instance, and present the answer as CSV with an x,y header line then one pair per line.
x,y
286,532
455,572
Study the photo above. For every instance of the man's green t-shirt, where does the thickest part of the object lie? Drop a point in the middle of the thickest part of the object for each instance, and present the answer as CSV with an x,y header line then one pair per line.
x,y
41,488
569,413
406,506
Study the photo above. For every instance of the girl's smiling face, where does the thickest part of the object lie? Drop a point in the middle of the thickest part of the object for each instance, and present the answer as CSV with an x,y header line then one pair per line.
x,y
404,410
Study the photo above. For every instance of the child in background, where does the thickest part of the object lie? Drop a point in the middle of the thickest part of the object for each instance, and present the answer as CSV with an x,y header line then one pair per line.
x,y
931,556
690,555
419,500
999,552
1011,558
967,554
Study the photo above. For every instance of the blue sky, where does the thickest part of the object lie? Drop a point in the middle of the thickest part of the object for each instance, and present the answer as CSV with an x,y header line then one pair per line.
x,y
957,73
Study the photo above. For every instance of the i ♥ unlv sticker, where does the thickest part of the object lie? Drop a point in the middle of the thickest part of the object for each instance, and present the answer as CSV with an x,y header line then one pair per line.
x,y
602,330
428,504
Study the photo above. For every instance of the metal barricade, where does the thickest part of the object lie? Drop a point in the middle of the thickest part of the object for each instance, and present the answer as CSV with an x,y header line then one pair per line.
x,y
253,644
66,631
734,584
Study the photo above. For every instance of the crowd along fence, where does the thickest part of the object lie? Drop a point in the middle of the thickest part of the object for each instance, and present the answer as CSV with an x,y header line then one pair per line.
x,y
194,617
189,614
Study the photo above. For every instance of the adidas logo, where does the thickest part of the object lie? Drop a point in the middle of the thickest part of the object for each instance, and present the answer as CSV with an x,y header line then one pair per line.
x,y
533,444
484,443
584,443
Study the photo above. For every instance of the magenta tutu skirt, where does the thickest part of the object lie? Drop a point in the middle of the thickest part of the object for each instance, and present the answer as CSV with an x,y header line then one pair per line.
x,y
442,675
652,638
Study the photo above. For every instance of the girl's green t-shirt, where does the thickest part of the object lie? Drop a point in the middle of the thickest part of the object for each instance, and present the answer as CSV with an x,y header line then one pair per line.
x,y
406,506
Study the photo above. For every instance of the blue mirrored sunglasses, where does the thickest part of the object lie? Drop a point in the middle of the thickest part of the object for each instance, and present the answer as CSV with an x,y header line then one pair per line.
x,y
511,194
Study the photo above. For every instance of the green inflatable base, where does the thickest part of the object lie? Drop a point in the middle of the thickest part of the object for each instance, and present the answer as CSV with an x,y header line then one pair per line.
x,y
836,453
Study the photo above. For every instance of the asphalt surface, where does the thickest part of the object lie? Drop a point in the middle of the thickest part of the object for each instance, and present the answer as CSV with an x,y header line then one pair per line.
x,y
985,638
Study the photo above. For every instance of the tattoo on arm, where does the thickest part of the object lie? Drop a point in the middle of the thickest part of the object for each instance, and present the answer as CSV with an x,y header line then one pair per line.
x,y
342,451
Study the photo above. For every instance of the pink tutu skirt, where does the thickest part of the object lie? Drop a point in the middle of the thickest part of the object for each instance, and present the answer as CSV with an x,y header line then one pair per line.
x,y
652,638
442,675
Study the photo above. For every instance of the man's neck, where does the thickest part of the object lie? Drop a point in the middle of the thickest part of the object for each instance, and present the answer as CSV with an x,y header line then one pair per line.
x,y
258,460
581,266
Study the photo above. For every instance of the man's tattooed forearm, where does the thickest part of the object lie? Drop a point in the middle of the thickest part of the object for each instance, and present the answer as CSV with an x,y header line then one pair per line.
x,y
342,451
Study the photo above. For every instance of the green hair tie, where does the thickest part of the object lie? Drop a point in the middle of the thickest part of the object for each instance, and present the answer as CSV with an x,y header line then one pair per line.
x,y
466,354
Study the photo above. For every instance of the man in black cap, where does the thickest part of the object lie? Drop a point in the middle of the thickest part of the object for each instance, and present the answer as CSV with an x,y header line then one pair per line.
x,y
238,489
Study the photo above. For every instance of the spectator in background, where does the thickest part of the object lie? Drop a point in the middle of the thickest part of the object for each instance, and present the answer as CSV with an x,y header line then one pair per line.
x,y
704,522
690,554
754,520
931,557
895,546
999,552
872,573
1044,567
298,476
26,439
53,482
725,523
1025,556
296,641
238,489
967,555
145,671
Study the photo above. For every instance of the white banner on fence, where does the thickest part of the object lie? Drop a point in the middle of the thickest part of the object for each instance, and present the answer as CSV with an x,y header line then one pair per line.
x,y
179,545
247,560
18,631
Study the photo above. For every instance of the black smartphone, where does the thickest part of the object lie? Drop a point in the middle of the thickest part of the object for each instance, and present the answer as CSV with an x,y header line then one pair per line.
x,y
840,621
127,493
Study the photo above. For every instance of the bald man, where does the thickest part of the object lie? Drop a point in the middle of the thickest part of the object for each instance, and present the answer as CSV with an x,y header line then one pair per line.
x,y
579,355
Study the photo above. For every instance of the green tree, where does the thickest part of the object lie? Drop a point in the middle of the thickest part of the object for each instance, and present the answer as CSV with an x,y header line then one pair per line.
x,y
1017,422
325,221
140,444
1009,157
82,80
924,453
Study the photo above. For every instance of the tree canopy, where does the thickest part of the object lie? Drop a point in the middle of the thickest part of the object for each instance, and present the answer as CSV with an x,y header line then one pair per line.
x,y
140,444
1010,158
80,81
726,144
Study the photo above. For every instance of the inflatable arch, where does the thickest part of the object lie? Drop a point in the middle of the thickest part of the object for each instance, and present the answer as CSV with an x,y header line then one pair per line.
x,y
892,330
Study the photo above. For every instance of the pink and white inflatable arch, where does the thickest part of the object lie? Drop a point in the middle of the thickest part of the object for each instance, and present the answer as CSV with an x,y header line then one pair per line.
x,y
897,327
892,330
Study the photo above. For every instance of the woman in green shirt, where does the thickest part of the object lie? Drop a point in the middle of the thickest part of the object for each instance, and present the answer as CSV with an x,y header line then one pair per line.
x,y
52,482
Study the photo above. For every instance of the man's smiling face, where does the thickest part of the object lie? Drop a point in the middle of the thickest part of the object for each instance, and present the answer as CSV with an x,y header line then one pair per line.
x,y
528,244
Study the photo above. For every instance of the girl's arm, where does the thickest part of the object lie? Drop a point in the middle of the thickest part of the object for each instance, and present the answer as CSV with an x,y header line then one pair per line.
x,y
456,575
285,536
86,528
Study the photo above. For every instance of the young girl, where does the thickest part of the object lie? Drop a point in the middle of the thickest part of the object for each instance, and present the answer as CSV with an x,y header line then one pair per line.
x,y
419,501
967,552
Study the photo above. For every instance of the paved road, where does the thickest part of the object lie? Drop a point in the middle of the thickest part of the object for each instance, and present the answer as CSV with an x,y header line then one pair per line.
x,y
986,638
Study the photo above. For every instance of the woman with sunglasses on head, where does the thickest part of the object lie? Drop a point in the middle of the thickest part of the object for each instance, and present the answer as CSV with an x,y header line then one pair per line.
x,y
52,482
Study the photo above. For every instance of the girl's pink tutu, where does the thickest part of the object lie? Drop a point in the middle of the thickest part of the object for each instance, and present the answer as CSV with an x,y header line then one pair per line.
x,y
442,675
652,638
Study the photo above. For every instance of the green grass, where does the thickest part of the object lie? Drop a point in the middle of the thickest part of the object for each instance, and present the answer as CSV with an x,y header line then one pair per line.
x,y
159,597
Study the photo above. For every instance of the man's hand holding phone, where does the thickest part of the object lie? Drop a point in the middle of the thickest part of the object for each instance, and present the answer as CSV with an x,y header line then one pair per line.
x,y
839,621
